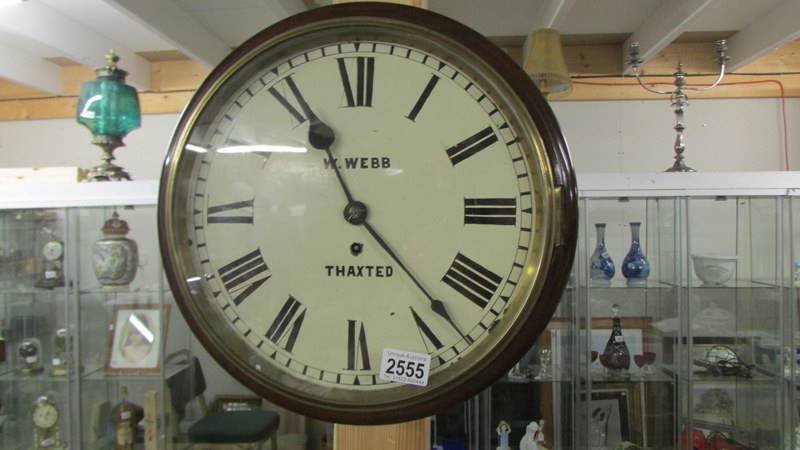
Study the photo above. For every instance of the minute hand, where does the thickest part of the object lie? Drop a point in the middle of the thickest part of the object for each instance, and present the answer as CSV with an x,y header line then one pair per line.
x,y
436,305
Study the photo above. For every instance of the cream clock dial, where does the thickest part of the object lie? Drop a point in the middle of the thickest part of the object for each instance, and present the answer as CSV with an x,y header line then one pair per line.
x,y
45,414
346,183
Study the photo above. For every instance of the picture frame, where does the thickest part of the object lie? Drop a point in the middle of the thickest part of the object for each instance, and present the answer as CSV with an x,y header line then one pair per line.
x,y
609,418
226,403
136,338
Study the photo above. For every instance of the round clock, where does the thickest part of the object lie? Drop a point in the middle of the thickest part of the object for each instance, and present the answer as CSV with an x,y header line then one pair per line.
x,y
45,413
364,179
53,250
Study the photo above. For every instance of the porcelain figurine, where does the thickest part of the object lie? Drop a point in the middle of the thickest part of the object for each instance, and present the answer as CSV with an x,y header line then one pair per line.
x,y
601,269
635,267
503,430
116,257
534,437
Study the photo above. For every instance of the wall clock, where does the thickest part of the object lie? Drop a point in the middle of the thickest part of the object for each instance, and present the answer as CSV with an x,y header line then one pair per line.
x,y
364,177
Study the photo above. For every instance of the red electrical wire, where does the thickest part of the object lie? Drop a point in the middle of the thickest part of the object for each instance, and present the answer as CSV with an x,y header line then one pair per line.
x,y
732,83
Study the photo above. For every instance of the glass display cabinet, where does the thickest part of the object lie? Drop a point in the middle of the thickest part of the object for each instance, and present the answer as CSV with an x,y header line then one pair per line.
x,y
679,329
89,333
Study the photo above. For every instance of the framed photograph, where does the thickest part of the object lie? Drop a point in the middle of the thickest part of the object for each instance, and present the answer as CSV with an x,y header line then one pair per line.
x,y
136,338
609,418
227,403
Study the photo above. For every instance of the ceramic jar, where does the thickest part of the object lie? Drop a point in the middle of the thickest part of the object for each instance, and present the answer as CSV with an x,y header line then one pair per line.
x,y
115,256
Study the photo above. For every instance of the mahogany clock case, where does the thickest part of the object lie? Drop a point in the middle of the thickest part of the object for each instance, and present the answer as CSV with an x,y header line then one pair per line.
x,y
547,148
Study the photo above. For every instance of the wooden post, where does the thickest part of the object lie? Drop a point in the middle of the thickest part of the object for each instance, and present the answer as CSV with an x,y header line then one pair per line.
x,y
415,435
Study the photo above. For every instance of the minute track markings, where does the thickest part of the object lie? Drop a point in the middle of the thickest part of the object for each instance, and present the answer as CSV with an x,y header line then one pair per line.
x,y
326,375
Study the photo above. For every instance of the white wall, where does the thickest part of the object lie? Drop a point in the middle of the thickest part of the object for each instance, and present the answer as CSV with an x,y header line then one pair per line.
x,y
616,136
619,136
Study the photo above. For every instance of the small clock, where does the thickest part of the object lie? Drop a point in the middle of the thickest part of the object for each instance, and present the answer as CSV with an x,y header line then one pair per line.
x,y
45,413
53,250
52,272
363,179
45,418
29,357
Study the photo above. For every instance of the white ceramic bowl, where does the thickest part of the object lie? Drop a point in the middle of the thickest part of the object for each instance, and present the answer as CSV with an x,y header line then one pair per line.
x,y
714,270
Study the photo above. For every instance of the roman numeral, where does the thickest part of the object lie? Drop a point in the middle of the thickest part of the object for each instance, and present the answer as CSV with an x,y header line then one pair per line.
x,y
357,345
472,280
244,275
365,75
471,145
423,98
243,210
291,315
490,211
305,112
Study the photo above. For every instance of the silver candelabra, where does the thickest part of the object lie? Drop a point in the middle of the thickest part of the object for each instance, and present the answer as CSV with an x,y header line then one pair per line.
x,y
678,98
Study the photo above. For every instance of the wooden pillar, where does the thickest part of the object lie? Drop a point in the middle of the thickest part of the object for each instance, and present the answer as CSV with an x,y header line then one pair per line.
x,y
415,435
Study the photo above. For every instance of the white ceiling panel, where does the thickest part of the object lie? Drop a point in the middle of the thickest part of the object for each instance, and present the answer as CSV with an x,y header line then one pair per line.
x,y
216,5
724,15
513,18
234,26
606,16
107,21
23,43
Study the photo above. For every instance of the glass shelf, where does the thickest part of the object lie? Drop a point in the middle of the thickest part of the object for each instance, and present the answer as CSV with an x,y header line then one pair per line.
x,y
99,374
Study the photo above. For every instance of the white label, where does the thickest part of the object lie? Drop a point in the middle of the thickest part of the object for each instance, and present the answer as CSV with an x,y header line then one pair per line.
x,y
50,274
48,442
125,415
31,359
56,361
619,339
405,367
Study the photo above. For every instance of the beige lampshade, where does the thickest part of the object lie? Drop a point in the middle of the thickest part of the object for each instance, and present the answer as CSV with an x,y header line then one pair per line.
x,y
544,61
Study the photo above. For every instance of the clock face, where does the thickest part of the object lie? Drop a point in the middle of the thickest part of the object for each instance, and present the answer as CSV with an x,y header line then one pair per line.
x,y
45,415
53,250
352,188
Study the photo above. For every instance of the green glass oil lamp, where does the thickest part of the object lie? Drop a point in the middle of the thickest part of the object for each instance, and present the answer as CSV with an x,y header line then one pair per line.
x,y
109,108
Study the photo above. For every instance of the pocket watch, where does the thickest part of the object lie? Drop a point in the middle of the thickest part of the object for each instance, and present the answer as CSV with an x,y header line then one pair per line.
x,y
362,178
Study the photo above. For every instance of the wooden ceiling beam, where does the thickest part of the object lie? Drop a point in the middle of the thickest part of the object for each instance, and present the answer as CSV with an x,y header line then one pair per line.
x,y
661,27
77,42
177,27
777,27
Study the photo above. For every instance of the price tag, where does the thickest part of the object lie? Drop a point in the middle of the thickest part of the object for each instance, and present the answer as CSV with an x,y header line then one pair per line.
x,y
56,361
619,339
31,359
50,274
125,415
405,367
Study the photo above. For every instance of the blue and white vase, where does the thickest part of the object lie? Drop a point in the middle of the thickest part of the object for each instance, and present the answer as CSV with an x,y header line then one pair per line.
x,y
635,266
601,266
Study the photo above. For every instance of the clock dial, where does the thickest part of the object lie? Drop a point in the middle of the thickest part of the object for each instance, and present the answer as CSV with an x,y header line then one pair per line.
x,y
53,250
352,190
45,415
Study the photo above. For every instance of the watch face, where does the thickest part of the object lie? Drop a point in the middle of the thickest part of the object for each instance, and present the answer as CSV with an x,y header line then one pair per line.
x,y
45,415
53,250
347,183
